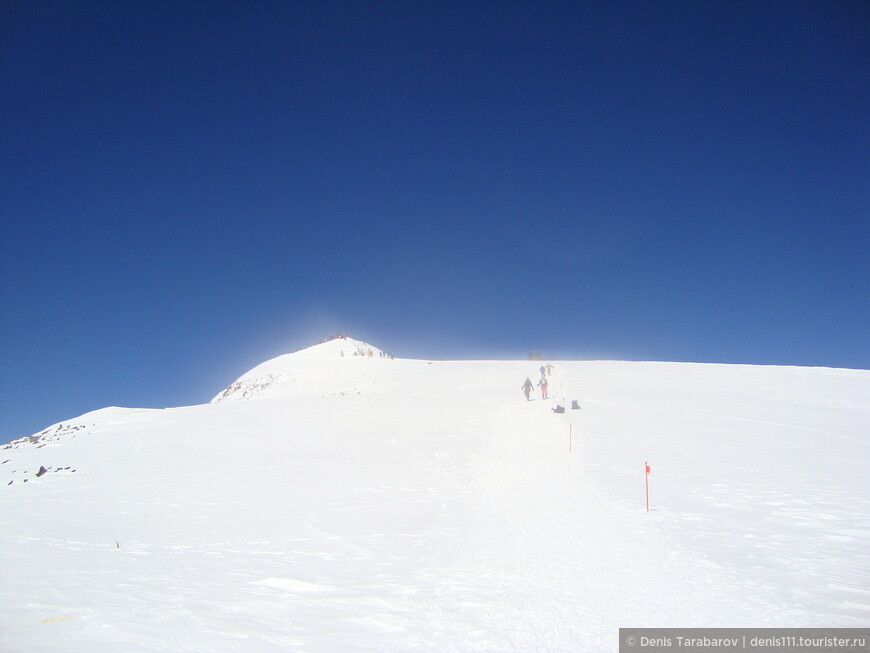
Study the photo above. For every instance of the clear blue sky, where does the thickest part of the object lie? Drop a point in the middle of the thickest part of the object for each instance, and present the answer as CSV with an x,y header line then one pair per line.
x,y
190,188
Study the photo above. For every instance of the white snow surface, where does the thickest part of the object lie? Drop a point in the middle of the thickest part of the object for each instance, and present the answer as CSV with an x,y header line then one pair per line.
x,y
314,366
406,505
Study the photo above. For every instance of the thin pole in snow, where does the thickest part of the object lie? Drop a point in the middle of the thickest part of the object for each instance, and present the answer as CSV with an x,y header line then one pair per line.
x,y
646,478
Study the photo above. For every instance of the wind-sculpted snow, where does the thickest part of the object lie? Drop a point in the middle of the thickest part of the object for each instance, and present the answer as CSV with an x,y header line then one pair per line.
x,y
324,369
397,505
251,388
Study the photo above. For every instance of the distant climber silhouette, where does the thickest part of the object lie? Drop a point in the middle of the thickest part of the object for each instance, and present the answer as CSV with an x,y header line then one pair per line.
x,y
527,388
543,384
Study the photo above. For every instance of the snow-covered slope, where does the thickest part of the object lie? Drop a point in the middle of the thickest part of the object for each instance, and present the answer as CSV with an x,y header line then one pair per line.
x,y
328,367
402,505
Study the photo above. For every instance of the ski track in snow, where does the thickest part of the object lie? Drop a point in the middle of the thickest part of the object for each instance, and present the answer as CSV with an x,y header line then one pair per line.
x,y
437,510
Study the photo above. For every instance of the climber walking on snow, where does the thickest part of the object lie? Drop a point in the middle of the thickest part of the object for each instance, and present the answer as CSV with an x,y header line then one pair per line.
x,y
543,384
527,388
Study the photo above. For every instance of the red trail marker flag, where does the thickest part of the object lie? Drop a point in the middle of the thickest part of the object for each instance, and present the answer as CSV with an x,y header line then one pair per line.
x,y
646,479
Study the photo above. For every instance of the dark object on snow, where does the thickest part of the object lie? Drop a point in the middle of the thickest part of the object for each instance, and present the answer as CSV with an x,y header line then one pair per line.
x,y
42,470
575,405
527,387
559,409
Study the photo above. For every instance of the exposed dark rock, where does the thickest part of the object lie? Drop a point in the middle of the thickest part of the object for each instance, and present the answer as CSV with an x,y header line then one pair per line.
x,y
42,470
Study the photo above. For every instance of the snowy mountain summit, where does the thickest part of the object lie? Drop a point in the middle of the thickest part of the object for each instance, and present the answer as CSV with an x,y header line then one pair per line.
x,y
322,368
360,503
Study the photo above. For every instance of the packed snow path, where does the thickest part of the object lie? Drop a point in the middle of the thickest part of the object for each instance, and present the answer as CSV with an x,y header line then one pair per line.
x,y
415,506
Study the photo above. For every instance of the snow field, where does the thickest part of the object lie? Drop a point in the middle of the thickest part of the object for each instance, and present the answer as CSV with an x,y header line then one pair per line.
x,y
397,505
761,467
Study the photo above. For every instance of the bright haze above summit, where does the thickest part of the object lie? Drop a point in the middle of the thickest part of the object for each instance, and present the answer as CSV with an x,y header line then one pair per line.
x,y
190,189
